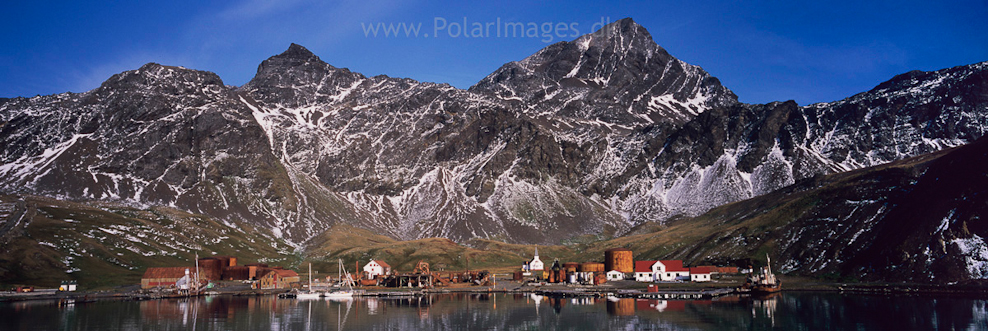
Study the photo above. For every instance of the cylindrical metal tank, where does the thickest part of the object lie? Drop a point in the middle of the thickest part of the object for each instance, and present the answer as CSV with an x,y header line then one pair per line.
x,y
211,269
619,259
236,273
571,266
224,261
592,267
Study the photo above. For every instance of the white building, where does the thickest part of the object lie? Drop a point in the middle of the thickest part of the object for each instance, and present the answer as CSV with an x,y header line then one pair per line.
x,y
645,271
536,264
700,274
68,286
375,268
670,270
615,275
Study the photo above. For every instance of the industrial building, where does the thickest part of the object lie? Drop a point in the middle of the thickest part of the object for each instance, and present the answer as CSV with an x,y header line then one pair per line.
x,y
278,279
164,277
210,269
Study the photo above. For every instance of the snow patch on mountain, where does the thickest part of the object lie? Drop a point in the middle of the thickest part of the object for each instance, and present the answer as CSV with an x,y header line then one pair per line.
x,y
975,253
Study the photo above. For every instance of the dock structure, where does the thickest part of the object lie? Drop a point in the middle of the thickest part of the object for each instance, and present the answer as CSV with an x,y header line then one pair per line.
x,y
408,280
570,293
659,295
423,277
686,295
390,294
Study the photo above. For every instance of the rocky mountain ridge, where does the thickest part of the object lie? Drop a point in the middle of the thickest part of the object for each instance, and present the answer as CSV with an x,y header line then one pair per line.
x,y
593,136
917,219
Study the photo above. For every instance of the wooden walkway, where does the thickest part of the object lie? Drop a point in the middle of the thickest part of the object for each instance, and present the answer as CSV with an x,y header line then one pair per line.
x,y
686,295
665,295
389,294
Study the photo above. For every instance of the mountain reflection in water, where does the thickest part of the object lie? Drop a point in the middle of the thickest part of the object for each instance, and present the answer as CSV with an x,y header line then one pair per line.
x,y
459,311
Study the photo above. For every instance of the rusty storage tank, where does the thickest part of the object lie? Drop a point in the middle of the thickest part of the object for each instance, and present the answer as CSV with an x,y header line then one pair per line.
x,y
571,266
592,267
228,261
211,268
560,276
224,260
256,270
619,259
236,273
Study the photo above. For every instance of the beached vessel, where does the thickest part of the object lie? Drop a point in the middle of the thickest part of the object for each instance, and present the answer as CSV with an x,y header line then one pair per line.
x,y
763,281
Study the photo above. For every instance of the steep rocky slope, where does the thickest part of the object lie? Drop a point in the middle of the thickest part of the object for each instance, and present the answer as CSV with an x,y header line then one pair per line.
x,y
918,219
594,136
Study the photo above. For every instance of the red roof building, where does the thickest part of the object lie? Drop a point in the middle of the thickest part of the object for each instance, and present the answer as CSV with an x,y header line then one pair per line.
x,y
644,266
700,274
645,271
670,270
376,268
674,266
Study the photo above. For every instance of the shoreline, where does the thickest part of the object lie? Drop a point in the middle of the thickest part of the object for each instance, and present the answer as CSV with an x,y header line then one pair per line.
x,y
624,289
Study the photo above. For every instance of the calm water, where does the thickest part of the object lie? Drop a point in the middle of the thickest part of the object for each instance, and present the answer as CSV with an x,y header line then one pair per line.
x,y
789,311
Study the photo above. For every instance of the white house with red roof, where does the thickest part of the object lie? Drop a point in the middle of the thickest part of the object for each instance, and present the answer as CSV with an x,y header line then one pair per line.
x,y
645,271
670,270
376,267
700,274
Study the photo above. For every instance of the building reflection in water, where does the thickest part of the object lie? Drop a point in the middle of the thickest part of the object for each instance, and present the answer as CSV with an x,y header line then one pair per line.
x,y
765,306
185,312
620,306
514,311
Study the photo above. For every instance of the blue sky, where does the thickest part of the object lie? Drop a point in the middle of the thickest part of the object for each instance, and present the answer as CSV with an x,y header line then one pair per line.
x,y
763,50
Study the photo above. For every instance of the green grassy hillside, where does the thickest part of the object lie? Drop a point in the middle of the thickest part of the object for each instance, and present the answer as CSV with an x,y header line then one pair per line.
x,y
45,241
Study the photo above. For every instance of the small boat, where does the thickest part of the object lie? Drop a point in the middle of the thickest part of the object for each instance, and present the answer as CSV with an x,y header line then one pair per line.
x,y
310,293
764,281
345,281
339,294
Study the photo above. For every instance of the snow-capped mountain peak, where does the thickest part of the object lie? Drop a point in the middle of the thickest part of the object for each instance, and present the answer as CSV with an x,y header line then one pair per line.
x,y
591,136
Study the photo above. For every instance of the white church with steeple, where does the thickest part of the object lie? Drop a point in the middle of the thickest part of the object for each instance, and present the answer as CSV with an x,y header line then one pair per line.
x,y
536,264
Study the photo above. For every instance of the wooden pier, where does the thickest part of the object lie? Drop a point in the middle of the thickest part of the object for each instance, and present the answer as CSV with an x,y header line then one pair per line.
x,y
660,295
390,294
685,295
